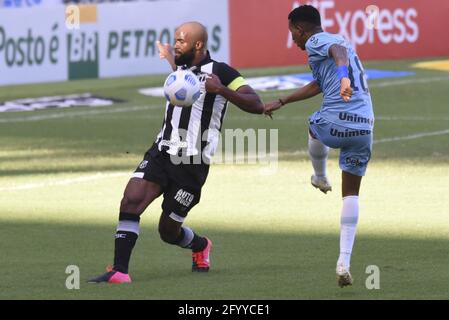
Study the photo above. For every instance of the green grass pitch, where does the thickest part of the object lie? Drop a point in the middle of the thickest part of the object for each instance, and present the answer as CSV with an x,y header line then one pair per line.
x,y
275,237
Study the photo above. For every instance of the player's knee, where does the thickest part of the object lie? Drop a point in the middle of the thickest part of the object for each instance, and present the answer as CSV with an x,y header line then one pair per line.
x,y
131,203
167,235
168,232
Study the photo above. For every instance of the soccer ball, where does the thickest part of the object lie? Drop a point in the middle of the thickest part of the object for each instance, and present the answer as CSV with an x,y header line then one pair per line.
x,y
182,88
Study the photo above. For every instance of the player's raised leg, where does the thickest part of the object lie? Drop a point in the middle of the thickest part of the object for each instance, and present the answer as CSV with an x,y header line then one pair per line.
x,y
348,226
139,193
318,153
172,232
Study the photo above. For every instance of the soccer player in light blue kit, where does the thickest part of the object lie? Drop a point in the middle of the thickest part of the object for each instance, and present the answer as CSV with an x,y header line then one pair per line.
x,y
344,121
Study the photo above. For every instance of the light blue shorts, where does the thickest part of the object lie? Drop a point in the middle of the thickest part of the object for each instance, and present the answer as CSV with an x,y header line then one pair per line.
x,y
355,145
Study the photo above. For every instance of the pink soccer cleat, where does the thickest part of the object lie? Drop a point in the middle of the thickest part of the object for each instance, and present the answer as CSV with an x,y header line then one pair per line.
x,y
112,276
200,260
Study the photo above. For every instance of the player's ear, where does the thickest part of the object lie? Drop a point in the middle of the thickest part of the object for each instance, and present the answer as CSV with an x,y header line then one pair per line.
x,y
199,45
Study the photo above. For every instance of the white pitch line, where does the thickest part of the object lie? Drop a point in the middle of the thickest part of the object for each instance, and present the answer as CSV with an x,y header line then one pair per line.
x,y
413,136
378,118
139,108
392,139
407,81
78,114
99,176
411,118
64,182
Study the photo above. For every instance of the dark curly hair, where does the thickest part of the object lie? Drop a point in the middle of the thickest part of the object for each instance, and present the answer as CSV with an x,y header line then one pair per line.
x,y
305,15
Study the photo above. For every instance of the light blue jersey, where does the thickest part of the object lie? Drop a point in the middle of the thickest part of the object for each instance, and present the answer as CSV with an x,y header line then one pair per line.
x,y
358,112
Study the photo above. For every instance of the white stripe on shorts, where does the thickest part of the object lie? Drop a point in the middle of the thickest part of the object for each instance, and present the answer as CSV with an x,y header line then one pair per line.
x,y
138,175
177,218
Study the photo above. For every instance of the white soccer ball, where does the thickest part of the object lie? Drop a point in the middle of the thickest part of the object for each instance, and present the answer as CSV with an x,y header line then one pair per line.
x,y
182,88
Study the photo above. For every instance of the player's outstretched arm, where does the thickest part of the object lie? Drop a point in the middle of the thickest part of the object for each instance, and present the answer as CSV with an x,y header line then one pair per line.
x,y
308,91
245,97
165,52
340,56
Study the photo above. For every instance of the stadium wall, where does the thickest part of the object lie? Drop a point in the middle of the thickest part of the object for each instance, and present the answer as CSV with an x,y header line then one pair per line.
x,y
43,44
58,43
380,29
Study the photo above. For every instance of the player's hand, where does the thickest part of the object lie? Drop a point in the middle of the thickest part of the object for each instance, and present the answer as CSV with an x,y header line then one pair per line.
x,y
165,50
213,83
346,90
271,107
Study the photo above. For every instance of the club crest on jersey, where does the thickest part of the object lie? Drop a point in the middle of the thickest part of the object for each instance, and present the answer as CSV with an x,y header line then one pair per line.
x,y
202,77
143,164
183,197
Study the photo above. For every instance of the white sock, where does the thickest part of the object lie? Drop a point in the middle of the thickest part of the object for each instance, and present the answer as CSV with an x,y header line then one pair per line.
x,y
348,225
128,225
187,239
318,154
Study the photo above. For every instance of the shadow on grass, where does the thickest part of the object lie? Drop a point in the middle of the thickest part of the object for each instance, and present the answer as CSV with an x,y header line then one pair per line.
x,y
245,265
88,169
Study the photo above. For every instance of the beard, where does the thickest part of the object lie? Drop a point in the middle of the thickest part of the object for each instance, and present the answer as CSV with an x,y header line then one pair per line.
x,y
186,58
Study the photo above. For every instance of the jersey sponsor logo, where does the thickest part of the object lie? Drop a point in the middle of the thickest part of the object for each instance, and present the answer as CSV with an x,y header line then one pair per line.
x,y
344,116
174,143
354,162
349,133
143,164
183,197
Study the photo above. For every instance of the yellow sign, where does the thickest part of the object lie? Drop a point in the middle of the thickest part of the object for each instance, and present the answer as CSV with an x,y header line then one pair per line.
x,y
441,65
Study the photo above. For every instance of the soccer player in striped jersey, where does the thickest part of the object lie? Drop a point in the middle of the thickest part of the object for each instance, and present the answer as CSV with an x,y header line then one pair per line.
x,y
177,164
345,119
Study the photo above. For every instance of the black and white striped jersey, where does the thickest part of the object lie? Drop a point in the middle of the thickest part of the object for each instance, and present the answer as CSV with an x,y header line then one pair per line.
x,y
190,131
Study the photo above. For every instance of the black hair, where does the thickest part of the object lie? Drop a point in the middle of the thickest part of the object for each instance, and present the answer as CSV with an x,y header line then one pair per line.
x,y
306,15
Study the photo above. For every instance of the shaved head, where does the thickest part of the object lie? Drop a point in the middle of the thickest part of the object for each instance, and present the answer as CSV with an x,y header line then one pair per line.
x,y
190,43
194,30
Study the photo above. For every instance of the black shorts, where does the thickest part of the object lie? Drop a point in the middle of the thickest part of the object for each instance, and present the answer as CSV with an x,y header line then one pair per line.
x,y
181,183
